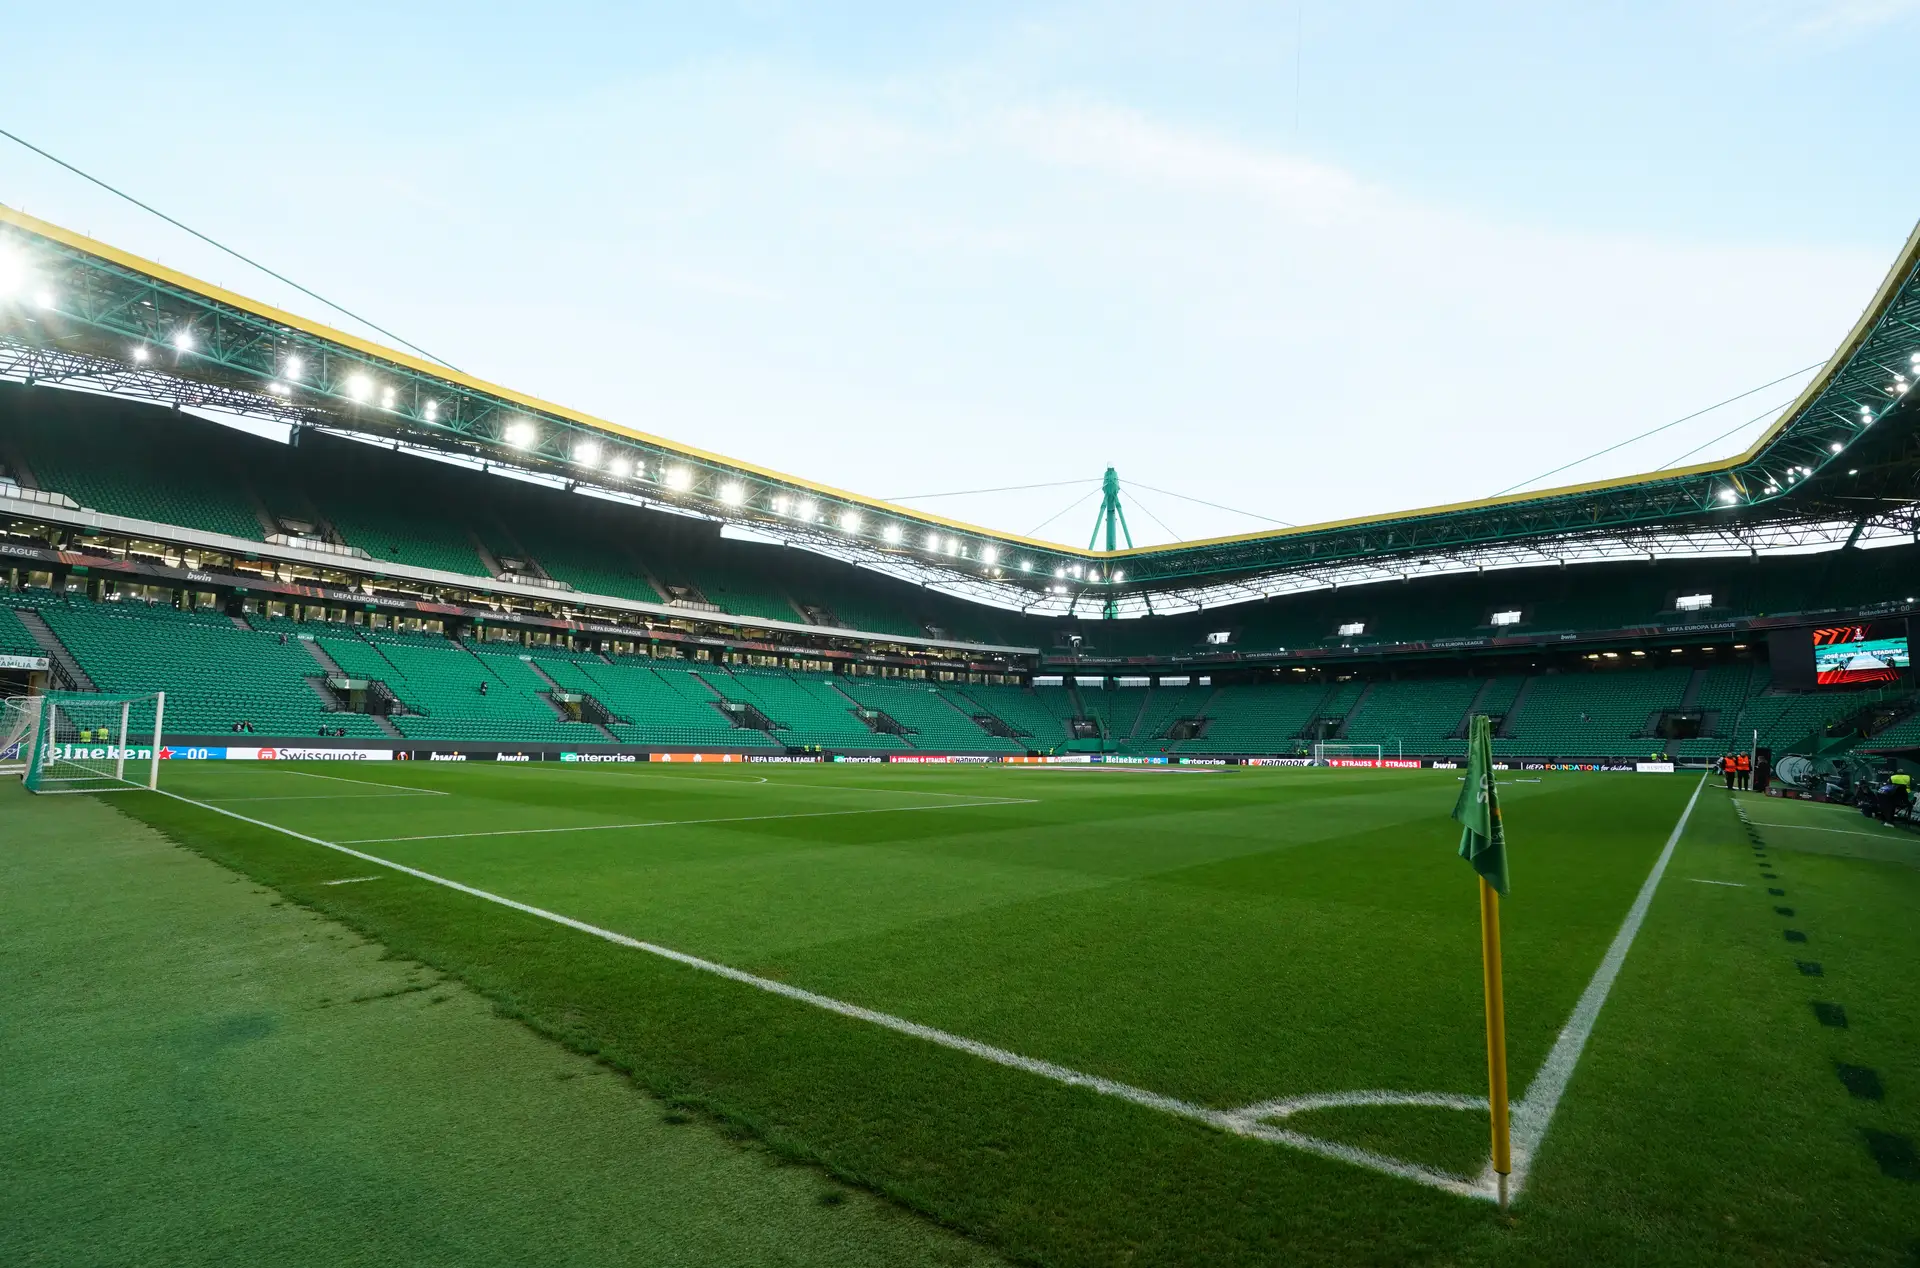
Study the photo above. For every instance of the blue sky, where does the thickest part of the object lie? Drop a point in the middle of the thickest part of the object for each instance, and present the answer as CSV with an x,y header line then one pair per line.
x,y
1309,261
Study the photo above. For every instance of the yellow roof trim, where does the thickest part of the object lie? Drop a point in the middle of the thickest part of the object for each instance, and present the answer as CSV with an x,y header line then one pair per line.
x,y
100,250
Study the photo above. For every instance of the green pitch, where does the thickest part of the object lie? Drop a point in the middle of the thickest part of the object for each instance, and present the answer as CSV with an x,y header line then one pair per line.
x,y
1156,1016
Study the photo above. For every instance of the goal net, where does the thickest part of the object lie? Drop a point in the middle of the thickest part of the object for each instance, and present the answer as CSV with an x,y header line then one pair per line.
x,y
19,717
1326,754
83,742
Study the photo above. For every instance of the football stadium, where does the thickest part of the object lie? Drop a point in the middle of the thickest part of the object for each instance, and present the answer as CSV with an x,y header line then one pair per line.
x,y
494,833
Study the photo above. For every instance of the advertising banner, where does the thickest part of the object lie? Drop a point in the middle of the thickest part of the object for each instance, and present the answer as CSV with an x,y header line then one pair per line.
x,y
783,759
1277,761
10,661
680,757
1654,768
235,753
1377,763
613,757
864,759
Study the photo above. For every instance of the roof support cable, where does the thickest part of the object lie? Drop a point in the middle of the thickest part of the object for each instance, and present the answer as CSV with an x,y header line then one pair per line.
x,y
221,246
1601,453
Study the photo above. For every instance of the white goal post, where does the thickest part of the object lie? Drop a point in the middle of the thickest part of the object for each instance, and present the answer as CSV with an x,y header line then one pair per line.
x,y
1324,753
86,742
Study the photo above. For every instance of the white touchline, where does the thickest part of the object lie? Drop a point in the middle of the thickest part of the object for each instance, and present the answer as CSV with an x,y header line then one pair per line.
x,y
1532,1116
1701,880
351,880
678,823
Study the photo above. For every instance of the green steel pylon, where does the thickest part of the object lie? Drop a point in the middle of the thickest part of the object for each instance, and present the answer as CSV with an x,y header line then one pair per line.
x,y
1114,520
1110,514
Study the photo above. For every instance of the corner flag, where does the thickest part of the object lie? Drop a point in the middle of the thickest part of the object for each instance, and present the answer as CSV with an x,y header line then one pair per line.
x,y
1483,843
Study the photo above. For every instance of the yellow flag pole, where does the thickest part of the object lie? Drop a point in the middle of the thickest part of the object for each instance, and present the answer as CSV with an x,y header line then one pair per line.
x,y
1496,1034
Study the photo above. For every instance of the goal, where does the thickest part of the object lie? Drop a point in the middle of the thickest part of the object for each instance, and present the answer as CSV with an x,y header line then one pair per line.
x,y
84,742
1326,754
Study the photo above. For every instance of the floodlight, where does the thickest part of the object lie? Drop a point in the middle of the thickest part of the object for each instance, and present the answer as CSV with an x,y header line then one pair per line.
x,y
293,369
733,493
804,510
43,299
1059,573
360,387
619,468
1075,570
279,389
387,399
432,410
891,534
183,339
1835,446
953,546
679,479
1728,495
779,504
520,434
1026,565
850,521
1866,412
587,453
13,273
1119,576
989,555
140,354
1854,471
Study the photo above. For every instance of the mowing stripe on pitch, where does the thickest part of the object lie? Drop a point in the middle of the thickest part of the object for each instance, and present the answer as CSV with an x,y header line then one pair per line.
x,y
681,823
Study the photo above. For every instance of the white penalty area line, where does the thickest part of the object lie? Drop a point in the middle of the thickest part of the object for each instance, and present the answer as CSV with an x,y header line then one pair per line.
x,y
679,823
1531,1117
1701,880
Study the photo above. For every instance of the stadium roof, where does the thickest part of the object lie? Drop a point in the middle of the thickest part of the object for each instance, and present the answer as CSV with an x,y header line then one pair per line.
x,y
1839,466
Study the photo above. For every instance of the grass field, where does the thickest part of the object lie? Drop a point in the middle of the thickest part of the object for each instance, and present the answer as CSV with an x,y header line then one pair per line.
x,y
1028,1002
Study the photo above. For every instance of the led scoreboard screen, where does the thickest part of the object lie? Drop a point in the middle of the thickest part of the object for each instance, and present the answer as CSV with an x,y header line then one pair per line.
x,y
1845,655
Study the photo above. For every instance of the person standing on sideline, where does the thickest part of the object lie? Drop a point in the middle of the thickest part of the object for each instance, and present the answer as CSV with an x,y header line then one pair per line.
x,y
1726,770
1743,771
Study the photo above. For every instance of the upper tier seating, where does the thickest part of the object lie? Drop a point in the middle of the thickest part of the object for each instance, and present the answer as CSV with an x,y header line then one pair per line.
x,y
86,449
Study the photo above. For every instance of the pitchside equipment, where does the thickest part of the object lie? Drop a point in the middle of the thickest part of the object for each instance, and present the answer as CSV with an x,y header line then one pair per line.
x,y
1322,753
83,742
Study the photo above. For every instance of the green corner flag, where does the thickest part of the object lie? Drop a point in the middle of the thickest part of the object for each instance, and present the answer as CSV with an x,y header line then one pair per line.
x,y
1483,842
